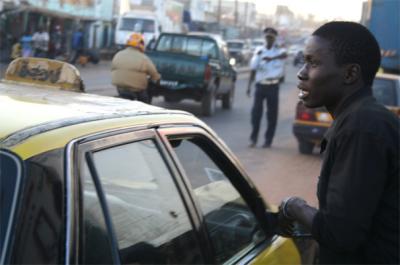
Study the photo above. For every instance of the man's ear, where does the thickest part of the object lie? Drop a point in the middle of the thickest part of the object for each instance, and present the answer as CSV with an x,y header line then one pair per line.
x,y
352,73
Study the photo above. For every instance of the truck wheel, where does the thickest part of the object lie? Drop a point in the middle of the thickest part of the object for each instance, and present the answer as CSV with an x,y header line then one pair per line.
x,y
149,99
123,94
208,103
305,147
170,99
227,99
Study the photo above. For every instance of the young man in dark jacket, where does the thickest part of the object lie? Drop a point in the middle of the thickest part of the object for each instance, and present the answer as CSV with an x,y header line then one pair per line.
x,y
358,191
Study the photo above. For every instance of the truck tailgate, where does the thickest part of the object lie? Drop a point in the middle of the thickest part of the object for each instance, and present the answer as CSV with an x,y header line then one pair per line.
x,y
179,71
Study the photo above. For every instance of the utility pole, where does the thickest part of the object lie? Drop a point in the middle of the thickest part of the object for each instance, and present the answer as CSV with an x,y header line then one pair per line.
x,y
245,18
236,13
219,14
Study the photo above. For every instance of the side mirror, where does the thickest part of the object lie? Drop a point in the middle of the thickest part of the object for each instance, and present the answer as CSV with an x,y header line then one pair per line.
x,y
232,61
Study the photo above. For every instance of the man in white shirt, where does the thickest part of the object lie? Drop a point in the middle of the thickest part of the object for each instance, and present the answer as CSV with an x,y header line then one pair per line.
x,y
267,68
41,42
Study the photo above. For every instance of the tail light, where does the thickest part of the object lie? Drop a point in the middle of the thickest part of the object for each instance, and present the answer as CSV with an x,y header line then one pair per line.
x,y
207,73
305,114
395,110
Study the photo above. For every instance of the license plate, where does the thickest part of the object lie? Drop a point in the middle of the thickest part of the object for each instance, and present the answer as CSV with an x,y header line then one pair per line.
x,y
169,83
324,117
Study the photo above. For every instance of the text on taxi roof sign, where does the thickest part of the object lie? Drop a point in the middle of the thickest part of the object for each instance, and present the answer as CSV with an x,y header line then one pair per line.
x,y
46,72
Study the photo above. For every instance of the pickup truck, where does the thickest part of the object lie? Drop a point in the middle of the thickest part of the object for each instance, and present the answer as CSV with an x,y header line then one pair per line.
x,y
194,66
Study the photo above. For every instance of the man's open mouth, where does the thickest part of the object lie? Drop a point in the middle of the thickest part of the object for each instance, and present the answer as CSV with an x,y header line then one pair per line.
x,y
303,94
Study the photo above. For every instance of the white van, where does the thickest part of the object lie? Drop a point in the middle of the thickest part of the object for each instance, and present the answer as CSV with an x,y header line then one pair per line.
x,y
144,22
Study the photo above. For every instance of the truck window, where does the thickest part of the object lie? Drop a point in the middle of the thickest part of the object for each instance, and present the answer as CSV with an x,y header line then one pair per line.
x,y
384,91
235,45
165,43
194,47
137,25
209,48
179,44
188,45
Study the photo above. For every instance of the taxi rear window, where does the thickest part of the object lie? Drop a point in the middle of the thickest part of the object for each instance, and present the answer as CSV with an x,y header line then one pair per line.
x,y
10,178
385,91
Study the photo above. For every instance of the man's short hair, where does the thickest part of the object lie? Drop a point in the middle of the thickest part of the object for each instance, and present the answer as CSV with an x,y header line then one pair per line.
x,y
269,30
353,43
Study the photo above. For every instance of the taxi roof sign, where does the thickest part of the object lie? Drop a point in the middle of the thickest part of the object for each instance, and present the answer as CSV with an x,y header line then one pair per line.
x,y
44,72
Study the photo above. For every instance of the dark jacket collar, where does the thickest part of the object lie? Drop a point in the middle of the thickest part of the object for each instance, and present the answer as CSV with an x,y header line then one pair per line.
x,y
345,107
350,101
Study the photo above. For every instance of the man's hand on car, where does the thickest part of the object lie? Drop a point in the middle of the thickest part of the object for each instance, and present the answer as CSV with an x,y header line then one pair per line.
x,y
285,221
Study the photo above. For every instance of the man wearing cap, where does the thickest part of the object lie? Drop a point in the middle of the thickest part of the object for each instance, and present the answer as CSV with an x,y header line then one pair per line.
x,y
131,70
267,67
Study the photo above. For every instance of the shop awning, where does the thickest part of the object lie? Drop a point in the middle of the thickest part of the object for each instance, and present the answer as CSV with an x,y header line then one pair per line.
x,y
49,12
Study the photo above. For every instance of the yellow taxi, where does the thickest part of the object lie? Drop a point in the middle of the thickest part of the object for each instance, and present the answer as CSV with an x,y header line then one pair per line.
x,y
310,125
101,180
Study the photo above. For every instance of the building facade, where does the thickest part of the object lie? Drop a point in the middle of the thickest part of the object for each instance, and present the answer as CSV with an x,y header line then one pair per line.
x,y
95,17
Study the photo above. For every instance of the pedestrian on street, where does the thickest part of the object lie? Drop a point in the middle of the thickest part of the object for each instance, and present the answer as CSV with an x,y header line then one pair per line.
x,y
26,43
358,191
56,42
77,45
40,41
131,69
16,50
267,68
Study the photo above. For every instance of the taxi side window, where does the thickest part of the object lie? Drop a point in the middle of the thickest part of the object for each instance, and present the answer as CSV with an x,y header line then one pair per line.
x,y
96,240
10,178
145,207
231,225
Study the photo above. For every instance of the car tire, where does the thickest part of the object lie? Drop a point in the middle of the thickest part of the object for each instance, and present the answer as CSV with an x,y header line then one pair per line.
x,y
305,147
208,102
227,99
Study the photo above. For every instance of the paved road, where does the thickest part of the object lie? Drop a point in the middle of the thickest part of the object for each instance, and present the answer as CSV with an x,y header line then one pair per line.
x,y
279,171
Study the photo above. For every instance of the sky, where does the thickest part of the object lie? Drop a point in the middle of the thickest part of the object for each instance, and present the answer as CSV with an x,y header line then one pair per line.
x,y
321,9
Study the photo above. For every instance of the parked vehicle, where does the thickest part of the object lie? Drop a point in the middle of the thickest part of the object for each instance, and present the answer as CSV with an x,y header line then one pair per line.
x,y
89,179
382,19
298,59
256,44
138,21
240,50
294,49
194,66
310,125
